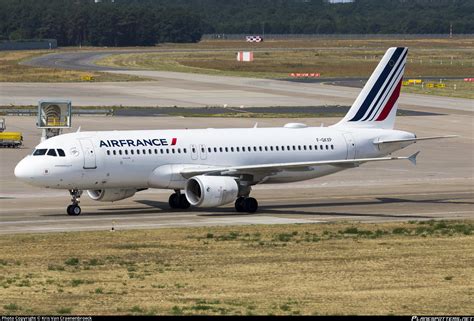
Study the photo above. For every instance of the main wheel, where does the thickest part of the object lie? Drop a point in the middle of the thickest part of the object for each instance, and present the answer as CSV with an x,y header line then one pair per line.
x,y
173,201
250,205
74,210
239,204
183,202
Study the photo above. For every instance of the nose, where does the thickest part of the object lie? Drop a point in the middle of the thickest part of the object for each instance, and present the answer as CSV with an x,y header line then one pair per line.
x,y
24,171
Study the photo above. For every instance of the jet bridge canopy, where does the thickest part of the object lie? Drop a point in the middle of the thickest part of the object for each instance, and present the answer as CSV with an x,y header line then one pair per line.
x,y
53,117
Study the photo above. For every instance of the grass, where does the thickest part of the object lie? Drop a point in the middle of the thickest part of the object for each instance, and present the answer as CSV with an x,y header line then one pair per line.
x,y
411,268
12,71
330,58
454,88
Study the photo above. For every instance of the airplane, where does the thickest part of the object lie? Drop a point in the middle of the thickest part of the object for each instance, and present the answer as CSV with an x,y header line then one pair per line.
x,y
214,167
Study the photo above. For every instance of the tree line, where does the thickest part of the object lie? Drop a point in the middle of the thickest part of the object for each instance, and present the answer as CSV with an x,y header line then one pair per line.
x,y
148,22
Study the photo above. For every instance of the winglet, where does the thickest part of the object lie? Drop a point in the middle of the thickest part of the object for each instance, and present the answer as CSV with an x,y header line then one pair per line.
x,y
412,158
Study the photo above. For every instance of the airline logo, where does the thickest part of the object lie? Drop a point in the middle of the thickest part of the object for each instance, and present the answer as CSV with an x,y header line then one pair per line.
x,y
158,142
384,94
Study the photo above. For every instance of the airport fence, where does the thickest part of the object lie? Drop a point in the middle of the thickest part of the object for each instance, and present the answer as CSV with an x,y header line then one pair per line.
x,y
28,44
223,36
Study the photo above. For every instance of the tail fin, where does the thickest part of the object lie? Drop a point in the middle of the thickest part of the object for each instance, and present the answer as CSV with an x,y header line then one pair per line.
x,y
376,106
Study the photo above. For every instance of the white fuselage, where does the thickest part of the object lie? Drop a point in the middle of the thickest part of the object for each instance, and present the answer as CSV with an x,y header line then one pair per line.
x,y
152,158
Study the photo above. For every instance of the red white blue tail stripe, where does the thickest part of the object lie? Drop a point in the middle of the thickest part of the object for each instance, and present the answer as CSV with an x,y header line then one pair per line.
x,y
377,102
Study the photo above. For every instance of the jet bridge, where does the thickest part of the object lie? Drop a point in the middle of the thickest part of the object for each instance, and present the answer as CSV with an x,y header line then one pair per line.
x,y
53,117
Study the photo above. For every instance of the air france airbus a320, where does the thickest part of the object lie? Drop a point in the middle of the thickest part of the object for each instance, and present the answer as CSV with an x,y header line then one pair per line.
x,y
215,167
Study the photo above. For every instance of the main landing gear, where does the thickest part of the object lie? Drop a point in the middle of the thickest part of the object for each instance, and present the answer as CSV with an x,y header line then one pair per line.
x,y
246,204
178,201
74,209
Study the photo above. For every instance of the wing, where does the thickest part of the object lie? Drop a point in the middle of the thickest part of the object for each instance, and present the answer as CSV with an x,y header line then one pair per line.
x,y
272,168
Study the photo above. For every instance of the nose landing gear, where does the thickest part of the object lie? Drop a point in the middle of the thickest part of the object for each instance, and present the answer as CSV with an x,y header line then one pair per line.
x,y
74,209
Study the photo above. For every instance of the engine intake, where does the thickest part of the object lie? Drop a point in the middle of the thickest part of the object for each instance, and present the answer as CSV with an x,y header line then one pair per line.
x,y
111,195
211,191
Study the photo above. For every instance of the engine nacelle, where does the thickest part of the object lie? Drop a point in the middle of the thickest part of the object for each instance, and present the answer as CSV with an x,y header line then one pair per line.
x,y
110,195
211,191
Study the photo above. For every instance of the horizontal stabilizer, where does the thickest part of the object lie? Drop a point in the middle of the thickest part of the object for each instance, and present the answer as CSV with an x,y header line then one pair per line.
x,y
412,158
412,139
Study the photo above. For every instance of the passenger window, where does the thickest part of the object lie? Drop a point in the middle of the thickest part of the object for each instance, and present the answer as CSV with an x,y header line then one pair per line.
x,y
237,149
327,147
131,152
120,152
126,152
162,151
40,152
149,151
52,152
209,149
61,153
299,147
215,149
294,147
184,150
255,148
310,147
144,152
179,150
138,152
260,148
115,153
194,150
108,152
332,146
167,151
321,147
232,149
276,147
304,147
226,149
172,150
315,147
220,149
156,151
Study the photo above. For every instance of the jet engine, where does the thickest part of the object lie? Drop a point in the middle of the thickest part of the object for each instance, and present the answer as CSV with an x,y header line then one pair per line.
x,y
211,191
110,195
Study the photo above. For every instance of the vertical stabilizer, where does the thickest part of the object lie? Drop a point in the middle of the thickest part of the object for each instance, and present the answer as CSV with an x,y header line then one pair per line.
x,y
376,106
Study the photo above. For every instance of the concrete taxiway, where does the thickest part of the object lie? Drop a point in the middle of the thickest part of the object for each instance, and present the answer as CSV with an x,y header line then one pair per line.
x,y
441,186
190,90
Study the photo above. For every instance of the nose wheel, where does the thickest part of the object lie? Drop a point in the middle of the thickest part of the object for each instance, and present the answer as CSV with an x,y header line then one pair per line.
x,y
246,204
74,209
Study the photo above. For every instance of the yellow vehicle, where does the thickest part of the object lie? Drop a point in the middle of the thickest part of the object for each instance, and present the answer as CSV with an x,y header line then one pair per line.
x,y
11,139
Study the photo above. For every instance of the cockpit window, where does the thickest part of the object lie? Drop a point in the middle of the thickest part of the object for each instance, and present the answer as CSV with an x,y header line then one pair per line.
x,y
61,153
39,152
52,152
